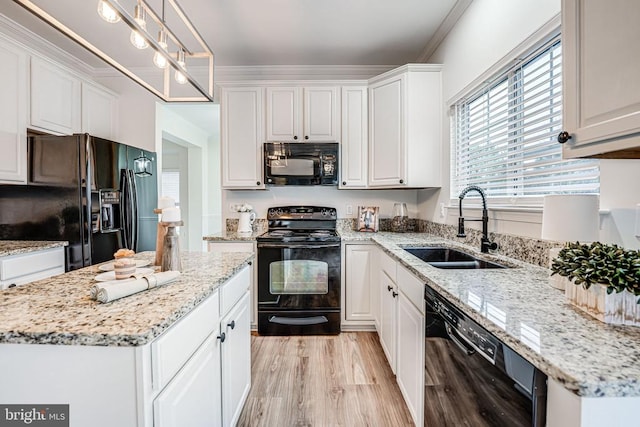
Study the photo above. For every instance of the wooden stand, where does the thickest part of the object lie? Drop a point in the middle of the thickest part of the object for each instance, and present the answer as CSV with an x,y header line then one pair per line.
x,y
161,232
171,247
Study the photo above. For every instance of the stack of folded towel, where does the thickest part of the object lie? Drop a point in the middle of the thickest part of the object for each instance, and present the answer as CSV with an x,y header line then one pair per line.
x,y
115,289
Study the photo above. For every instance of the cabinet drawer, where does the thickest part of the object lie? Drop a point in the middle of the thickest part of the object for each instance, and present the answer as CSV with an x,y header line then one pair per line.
x,y
411,287
388,265
173,348
14,266
234,289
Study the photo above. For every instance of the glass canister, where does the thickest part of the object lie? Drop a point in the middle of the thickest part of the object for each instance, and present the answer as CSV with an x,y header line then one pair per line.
x,y
400,220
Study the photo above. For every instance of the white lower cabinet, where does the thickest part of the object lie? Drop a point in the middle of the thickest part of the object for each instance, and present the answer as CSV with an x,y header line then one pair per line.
x,y
388,318
193,397
410,356
20,269
360,287
236,360
402,331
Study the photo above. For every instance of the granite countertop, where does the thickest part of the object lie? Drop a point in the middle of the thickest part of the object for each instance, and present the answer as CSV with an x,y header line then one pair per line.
x,y
590,358
16,247
59,310
232,236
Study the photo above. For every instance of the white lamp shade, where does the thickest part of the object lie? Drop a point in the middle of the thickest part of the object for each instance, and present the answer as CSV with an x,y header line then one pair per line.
x,y
571,218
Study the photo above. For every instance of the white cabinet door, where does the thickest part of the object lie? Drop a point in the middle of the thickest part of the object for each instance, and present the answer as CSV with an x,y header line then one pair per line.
x,y
55,98
360,286
193,397
236,360
601,83
99,112
320,113
410,361
242,135
302,114
405,121
386,143
283,114
354,142
20,269
388,318
13,115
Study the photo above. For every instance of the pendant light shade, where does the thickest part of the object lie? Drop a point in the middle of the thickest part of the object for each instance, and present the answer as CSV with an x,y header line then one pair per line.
x,y
142,165
136,38
181,78
107,13
159,58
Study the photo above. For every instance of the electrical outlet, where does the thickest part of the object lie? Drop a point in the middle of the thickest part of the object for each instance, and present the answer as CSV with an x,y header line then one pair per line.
x,y
443,213
349,210
232,207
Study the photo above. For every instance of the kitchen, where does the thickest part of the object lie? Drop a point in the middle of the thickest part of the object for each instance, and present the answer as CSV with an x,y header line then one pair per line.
x,y
484,33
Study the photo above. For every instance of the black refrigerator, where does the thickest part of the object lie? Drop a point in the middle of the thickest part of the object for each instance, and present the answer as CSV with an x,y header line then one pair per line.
x,y
96,194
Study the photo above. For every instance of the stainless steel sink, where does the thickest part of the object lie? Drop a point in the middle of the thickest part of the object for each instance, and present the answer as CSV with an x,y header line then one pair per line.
x,y
442,257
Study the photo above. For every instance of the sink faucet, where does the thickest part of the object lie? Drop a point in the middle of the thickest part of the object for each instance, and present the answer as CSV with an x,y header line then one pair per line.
x,y
485,243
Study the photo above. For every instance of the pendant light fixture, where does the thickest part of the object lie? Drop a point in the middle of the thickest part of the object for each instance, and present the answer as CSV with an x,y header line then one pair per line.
x,y
107,13
142,165
137,39
181,78
133,14
159,58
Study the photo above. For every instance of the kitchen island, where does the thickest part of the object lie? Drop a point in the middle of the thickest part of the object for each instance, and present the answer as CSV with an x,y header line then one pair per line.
x,y
142,360
593,369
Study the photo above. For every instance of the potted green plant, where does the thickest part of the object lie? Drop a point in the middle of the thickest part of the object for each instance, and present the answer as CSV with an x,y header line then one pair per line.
x,y
606,279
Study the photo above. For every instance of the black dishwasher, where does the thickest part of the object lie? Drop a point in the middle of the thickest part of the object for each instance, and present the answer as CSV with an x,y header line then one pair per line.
x,y
474,379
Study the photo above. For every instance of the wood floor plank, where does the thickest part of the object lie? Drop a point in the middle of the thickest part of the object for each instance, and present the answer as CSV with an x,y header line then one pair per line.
x,y
341,380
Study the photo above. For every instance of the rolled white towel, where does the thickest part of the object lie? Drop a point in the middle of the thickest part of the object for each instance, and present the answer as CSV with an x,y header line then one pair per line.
x,y
113,290
116,289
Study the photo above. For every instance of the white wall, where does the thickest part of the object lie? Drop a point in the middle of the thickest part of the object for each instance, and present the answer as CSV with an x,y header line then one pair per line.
x,y
319,196
179,130
487,32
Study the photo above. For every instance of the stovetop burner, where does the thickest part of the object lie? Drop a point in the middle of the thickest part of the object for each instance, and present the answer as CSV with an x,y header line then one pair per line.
x,y
301,224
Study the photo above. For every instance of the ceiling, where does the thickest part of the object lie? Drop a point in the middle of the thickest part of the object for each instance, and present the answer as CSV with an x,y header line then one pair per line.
x,y
268,32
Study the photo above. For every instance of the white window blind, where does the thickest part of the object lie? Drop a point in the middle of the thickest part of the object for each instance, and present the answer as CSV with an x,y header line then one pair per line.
x,y
171,184
505,135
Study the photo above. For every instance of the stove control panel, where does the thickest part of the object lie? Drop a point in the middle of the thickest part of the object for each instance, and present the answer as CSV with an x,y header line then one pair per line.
x,y
302,212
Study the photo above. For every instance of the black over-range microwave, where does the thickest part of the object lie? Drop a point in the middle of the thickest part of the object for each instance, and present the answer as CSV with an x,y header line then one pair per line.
x,y
301,163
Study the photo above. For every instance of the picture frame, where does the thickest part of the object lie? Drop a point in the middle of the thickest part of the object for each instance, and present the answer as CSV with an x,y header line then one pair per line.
x,y
368,218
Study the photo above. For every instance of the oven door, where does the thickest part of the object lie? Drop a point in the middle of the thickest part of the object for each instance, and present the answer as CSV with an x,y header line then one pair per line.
x,y
298,276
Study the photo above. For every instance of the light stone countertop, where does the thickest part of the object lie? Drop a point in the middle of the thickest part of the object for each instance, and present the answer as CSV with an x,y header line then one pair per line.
x,y
232,236
59,310
17,247
590,358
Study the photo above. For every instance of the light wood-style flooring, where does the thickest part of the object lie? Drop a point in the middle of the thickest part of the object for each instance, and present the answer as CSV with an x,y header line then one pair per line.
x,y
340,380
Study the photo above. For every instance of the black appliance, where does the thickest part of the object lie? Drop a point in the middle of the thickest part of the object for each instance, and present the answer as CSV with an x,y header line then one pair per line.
x,y
84,190
469,369
301,163
299,272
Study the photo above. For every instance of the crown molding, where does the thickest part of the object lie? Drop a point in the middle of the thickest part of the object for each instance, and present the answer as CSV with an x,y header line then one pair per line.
x,y
31,42
445,27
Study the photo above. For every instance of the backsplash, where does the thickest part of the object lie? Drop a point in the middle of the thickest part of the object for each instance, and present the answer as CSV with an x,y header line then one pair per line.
x,y
532,251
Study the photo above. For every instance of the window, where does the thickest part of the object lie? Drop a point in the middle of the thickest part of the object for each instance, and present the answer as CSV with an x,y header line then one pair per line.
x,y
171,184
505,135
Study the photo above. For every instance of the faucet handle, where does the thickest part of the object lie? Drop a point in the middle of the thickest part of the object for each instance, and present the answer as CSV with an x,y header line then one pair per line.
x,y
486,245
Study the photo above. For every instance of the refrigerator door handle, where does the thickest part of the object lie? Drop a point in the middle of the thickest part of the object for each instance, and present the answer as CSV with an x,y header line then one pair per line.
x,y
134,210
124,203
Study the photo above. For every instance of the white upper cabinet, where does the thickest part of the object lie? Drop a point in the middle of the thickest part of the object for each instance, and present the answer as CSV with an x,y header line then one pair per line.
x,y
99,111
55,98
242,135
601,82
302,113
354,143
405,119
13,115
